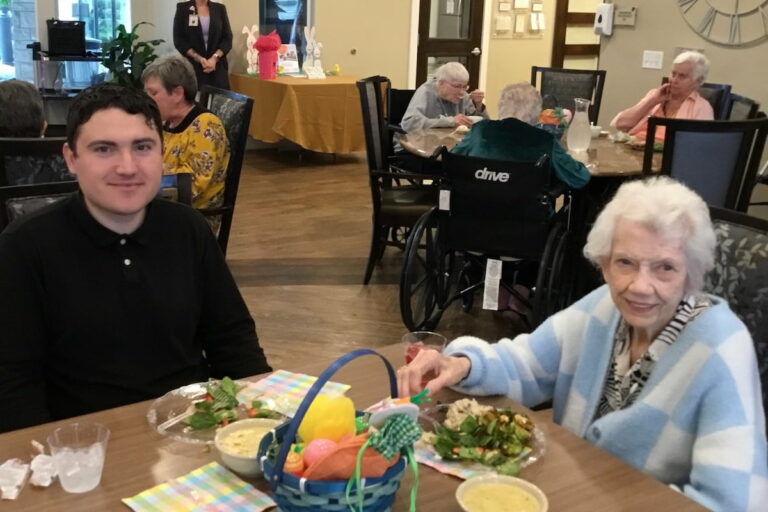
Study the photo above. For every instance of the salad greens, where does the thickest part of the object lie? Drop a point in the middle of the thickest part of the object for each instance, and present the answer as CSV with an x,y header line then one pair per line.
x,y
497,438
221,407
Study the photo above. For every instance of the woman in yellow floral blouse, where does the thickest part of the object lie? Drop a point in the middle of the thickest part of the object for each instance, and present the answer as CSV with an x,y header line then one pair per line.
x,y
194,139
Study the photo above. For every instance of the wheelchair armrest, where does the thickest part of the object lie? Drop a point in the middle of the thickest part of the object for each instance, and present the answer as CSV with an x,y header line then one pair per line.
x,y
396,128
556,189
543,160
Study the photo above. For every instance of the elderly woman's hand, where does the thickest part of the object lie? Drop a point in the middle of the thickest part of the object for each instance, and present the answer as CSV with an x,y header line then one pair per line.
x,y
659,94
462,120
446,371
477,96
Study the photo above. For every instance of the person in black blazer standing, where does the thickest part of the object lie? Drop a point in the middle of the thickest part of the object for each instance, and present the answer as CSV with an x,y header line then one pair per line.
x,y
201,32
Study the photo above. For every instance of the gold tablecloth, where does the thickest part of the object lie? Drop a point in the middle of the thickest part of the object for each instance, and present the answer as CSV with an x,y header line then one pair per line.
x,y
319,115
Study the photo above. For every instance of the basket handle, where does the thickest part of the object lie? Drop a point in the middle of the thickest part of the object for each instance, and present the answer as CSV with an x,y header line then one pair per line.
x,y
293,427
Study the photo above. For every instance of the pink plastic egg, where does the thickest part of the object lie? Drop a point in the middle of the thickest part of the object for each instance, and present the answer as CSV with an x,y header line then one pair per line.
x,y
317,449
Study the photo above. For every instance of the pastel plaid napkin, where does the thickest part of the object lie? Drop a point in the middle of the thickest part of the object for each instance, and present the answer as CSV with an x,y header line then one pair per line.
x,y
429,457
287,389
211,488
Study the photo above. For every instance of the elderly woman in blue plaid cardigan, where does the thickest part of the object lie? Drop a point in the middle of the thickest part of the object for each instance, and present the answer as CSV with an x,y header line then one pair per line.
x,y
647,366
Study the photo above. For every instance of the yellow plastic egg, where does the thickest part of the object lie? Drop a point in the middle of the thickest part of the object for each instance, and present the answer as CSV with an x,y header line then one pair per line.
x,y
328,418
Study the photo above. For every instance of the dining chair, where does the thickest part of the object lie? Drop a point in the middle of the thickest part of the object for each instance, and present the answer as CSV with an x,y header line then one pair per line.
x,y
741,108
177,187
398,198
234,110
30,160
19,200
397,103
718,95
740,276
563,85
717,159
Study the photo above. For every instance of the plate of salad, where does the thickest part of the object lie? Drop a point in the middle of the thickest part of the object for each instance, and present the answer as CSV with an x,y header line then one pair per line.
x,y
481,437
193,413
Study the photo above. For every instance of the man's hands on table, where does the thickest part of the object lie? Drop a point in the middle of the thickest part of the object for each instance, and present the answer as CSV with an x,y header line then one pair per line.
x,y
449,370
462,120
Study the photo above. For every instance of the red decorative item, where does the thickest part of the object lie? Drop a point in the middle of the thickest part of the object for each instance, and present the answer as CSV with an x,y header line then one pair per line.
x,y
267,46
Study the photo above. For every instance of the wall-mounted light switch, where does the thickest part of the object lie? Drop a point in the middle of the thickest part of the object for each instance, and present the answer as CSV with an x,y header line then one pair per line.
x,y
652,59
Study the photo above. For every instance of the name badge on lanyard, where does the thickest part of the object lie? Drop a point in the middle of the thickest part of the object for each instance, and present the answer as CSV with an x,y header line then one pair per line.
x,y
193,20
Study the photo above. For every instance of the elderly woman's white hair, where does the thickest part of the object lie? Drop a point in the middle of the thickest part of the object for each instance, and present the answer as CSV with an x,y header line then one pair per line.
x,y
521,101
452,72
699,61
668,208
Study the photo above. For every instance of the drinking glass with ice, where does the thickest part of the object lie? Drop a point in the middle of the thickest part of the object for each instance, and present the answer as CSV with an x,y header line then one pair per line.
x,y
78,451
417,341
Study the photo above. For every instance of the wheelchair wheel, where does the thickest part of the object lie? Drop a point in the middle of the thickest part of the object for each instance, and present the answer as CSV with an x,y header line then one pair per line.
x,y
425,278
557,289
465,283
549,274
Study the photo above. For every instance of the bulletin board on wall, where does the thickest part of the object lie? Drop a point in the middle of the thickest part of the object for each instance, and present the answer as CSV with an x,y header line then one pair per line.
x,y
518,19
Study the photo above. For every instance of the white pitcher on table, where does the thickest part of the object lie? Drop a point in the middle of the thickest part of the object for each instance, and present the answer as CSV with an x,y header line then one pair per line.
x,y
579,133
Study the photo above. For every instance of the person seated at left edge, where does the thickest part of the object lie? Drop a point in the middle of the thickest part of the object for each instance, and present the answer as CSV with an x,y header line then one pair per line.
x,y
112,296
194,139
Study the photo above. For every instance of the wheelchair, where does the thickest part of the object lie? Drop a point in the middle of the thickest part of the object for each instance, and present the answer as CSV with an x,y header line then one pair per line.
x,y
488,209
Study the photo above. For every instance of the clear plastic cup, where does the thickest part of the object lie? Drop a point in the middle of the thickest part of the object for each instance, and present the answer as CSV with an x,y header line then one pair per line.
x,y
78,451
417,341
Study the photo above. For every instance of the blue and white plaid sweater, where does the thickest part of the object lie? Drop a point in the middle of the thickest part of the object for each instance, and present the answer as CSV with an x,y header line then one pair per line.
x,y
698,424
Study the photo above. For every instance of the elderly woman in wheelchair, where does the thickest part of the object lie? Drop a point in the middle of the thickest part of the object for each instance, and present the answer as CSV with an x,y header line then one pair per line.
x,y
514,138
647,367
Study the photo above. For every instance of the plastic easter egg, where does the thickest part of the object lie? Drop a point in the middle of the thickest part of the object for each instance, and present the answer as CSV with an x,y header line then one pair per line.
x,y
294,464
329,417
317,449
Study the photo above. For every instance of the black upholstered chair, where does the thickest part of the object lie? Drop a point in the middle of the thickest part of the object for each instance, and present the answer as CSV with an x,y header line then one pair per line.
x,y
740,277
717,159
742,108
398,198
234,110
397,103
19,200
26,161
561,86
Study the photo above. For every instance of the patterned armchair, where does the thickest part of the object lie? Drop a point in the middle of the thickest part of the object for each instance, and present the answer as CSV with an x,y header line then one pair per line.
x,y
20,200
234,110
27,161
740,276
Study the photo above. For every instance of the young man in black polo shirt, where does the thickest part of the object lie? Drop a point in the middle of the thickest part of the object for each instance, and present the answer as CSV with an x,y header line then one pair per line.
x,y
112,296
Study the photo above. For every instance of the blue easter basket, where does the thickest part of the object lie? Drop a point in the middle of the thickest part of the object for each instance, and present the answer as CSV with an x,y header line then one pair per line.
x,y
299,494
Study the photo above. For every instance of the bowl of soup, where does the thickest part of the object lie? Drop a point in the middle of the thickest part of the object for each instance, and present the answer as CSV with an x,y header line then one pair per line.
x,y
238,444
499,493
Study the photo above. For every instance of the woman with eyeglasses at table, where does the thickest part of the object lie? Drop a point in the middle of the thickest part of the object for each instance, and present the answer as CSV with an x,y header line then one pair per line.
x,y
647,367
441,102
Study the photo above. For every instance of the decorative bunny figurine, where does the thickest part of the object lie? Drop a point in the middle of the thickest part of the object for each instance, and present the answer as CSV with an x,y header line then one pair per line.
x,y
309,37
252,55
316,54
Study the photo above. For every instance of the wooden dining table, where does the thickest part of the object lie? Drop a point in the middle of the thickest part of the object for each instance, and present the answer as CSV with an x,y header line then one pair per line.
x,y
575,475
604,158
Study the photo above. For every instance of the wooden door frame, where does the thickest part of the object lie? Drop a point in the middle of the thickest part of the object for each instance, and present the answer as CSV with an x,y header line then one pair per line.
x,y
420,25
563,19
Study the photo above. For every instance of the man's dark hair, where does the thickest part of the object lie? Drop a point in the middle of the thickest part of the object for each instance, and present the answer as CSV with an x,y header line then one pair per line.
x,y
106,96
21,109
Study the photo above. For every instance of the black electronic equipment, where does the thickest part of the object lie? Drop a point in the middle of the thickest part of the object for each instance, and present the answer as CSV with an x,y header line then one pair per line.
x,y
66,38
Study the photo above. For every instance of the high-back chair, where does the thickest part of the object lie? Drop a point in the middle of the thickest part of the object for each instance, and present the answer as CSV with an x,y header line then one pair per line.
x,y
234,110
740,277
30,160
397,103
395,205
717,159
563,85
742,108
19,200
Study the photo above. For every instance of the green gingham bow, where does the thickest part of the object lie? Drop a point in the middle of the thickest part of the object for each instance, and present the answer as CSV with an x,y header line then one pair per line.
x,y
396,436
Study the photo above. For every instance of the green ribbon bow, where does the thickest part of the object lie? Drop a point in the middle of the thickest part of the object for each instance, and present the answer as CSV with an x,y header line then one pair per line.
x,y
396,436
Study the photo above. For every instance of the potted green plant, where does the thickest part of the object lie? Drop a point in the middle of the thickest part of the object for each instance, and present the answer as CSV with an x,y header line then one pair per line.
x,y
126,57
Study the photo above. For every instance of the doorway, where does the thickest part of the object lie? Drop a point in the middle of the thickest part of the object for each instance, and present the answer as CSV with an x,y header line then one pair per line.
x,y
449,30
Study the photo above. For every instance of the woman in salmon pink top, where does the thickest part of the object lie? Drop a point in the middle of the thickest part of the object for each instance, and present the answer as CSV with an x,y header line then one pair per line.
x,y
678,98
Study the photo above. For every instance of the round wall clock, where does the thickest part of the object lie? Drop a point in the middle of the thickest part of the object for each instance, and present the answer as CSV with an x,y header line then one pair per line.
x,y
727,22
